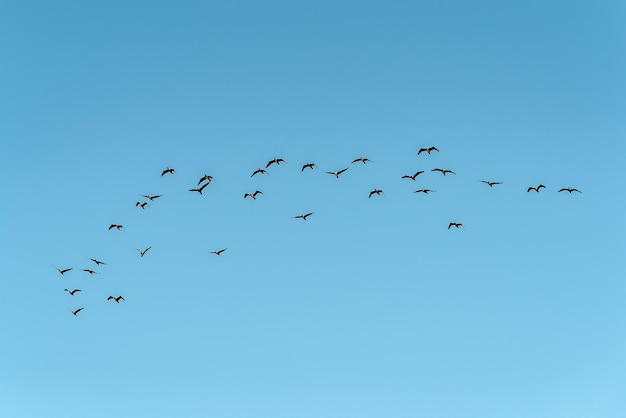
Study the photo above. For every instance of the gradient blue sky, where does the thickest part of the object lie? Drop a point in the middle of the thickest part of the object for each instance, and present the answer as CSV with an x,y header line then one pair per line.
x,y
370,308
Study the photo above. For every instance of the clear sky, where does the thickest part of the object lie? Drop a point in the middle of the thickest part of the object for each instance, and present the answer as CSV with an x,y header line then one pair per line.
x,y
369,308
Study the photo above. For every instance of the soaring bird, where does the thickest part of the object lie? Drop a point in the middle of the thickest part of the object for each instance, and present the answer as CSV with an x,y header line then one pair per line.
x,y
142,253
536,188
117,299
376,192
116,226
98,262
442,171
425,191
259,170
412,176
454,224
142,204
76,311
308,165
304,215
206,177
90,271
490,183
336,173
362,159
275,160
147,196
64,270
427,150
168,170
252,195
218,252
199,189
570,190
71,292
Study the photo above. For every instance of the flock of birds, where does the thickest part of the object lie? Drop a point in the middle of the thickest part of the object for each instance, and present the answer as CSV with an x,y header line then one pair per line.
x,y
206,179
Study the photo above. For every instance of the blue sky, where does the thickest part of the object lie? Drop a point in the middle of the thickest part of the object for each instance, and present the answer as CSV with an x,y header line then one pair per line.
x,y
370,307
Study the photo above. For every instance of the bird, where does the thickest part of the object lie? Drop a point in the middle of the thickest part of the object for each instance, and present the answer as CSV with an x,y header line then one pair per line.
x,y
376,192
336,173
117,299
427,150
64,270
490,183
275,160
535,188
570,190
147,196
90,271
71,292
425,191
252,195
413,176
259,170
142,204
218,252
76,311
308,165
168,170
442,171
206,177
304,215
199,189
142,253
118,227
362,159
454,224
98,262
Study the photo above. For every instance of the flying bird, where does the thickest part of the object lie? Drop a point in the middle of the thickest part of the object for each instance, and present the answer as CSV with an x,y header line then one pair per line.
x,y
199,190
147,196
413,176
252,195
376,192
304,215
116,226
427,150
71,292
168,170
142,253
259,170
362,159
275,160
490,183
308,165
90,271
425,191
142,204
64,270
206,177
218,252
536,188
336,173
454,224
117,299
570,190
442,171
76,311
98,262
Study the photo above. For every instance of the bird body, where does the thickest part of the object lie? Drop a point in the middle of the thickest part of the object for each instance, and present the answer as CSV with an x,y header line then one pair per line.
x,y
376,192
536,188
336,173
252,195
443,171
304,216
427,150
206,177
412,176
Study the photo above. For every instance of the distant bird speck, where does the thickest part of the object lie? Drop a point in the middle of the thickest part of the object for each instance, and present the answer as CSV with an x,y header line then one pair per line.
x,y
259,171
536,188
454,224
168,171
72,292
218,252
142,253
412,176
199,189
377,192
490,183
304,216
276,161
116,226
427,150
336,173
252,195
570,190
117,299
361,159
308,165
64,270
443,171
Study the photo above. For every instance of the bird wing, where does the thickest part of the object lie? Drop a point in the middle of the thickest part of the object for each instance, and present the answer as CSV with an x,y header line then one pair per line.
x,y
421,150
77,310
122,297
434,149
110,297
529,189
341,171
270,163
203,186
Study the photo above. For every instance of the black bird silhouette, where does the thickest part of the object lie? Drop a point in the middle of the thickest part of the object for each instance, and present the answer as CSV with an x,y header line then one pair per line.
x,y
443,171
427,150
304,215
218,252
275,160
570,190
147,196
454,224
76,311
362,159
90,271
142,253
116,226
308,165
98,262
259,170
536,188
199,189
64,270
252,195
142,204
71,292
413,176
168,170
376,192
425,191
206,177
336,173
490,183
117,299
